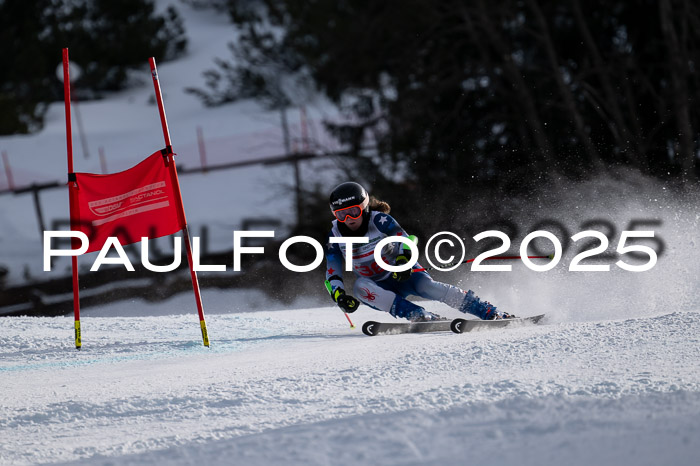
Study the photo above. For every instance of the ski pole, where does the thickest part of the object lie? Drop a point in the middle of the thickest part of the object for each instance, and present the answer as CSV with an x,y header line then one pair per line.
x,y
548,256
348,317
330,291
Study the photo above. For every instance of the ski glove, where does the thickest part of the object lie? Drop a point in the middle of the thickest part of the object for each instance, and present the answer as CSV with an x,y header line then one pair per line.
x,y
346,302
401,276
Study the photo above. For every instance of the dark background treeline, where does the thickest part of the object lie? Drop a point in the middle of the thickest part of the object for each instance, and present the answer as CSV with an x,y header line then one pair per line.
x,y
440,97
502,90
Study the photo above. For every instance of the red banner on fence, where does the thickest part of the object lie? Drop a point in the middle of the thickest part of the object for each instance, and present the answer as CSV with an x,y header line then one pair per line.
x,y
129,205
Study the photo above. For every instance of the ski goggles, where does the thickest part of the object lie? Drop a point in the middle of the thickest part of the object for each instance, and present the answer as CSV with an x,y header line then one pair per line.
x,y
353,212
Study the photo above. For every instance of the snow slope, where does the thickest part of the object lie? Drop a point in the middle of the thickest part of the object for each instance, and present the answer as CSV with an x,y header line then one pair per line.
x,y
300,387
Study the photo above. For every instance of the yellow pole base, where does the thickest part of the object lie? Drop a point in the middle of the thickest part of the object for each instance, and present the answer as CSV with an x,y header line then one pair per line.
x,y
205,335
78,341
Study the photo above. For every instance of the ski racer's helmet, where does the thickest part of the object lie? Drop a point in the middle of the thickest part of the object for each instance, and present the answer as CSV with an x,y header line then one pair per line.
x,y
349,199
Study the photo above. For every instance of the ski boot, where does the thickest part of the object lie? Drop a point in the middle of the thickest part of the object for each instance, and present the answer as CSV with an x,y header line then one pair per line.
x,y
482,309
407,310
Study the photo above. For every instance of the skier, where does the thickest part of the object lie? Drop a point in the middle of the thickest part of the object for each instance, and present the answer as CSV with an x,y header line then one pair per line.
x,y
358,215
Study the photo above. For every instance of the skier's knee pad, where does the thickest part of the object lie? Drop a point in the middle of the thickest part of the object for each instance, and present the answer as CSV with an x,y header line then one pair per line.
x,y
373,295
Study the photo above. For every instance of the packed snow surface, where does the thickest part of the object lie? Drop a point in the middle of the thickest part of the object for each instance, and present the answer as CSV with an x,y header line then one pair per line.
x,y
301,387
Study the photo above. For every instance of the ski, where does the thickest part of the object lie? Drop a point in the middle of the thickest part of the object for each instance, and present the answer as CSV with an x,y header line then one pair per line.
x,y
372,328
468,325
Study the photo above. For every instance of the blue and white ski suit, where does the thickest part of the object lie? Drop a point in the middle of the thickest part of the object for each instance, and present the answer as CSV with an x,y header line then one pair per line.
x,y
374,285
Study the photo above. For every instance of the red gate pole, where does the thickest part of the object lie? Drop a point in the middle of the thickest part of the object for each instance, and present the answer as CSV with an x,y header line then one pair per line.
x,y
73,198
178,198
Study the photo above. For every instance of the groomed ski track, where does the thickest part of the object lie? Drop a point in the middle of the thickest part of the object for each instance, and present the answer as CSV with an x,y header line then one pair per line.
x,y
300,387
